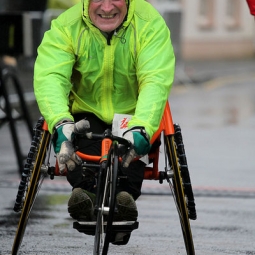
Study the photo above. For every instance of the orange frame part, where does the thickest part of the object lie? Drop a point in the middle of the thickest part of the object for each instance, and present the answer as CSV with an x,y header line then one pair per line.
x,y
167,128
151,171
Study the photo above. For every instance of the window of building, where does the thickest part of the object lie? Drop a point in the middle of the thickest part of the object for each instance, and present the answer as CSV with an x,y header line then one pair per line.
x,y
206,14
233,9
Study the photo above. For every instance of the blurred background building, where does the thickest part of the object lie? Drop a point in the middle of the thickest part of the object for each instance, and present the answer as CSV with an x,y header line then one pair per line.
x,y
211,29
217,29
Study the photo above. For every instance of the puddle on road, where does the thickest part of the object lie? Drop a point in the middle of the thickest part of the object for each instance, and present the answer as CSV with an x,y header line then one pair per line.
x,y
51,200
43,205
231,110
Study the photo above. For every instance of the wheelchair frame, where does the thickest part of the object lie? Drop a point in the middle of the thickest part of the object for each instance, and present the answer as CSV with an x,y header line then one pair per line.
x,y
176,173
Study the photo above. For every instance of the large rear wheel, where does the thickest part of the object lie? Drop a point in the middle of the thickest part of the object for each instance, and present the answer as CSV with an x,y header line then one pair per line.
x,y
174,178
31,181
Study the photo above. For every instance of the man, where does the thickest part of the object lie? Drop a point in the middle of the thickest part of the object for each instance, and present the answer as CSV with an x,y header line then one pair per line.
x,y
102,57
251,4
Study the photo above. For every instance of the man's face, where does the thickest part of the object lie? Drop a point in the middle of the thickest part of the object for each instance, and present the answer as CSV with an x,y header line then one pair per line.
x,y
107,15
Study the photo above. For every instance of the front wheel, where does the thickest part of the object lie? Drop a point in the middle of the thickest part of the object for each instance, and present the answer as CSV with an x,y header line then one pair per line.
x,y
105,202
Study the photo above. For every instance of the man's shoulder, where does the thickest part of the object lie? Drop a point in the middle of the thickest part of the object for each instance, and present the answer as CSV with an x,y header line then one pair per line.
x,y
71,16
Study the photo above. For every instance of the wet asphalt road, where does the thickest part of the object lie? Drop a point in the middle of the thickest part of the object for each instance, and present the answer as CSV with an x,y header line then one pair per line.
x,y
224,226
217,118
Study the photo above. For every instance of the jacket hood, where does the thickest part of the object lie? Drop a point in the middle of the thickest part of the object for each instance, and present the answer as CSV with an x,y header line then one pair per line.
x,y
87,20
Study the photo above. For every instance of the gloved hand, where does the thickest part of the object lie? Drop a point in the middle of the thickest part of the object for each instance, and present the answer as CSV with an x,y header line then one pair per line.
x,y
63,144
140,141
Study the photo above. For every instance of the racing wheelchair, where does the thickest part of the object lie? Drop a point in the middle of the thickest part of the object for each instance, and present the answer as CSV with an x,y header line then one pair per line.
x,y
175,172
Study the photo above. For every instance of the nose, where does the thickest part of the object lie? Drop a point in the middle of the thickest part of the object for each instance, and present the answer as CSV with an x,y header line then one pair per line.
x,y
107,5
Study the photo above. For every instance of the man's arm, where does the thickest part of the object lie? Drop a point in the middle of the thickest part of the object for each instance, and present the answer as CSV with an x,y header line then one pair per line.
x,y
155,74
52,75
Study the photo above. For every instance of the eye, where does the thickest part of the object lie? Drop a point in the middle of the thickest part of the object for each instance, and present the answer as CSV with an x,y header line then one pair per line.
x,y
100,1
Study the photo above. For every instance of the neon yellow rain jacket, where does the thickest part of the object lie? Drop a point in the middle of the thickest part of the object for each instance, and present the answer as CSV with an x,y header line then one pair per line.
x,y
79,70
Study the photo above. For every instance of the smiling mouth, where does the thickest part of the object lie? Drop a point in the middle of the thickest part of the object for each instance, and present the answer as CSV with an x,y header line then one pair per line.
x,y
107,16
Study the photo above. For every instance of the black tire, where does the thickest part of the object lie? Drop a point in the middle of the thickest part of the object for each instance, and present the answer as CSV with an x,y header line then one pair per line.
x,y
186,181
106,197
176,185
34,181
